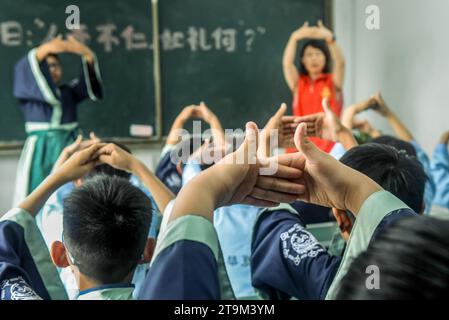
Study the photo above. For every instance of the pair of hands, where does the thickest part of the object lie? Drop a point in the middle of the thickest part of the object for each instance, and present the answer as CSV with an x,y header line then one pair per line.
x,y
83,156
314,32
309,175
200,111
375,102
70,45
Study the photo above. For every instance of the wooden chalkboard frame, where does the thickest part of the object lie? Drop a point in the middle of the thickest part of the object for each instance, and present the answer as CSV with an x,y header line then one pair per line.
x,y
158,138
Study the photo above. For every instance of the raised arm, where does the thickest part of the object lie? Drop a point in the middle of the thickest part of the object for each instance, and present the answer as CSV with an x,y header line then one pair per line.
x,y
338,59
217,130
398,126
291,73
174,135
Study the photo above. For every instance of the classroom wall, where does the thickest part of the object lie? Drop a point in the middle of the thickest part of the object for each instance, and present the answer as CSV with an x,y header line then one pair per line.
x,y
407,59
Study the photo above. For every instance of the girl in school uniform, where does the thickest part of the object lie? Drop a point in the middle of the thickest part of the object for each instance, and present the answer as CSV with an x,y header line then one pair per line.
x,y
321,73
49,107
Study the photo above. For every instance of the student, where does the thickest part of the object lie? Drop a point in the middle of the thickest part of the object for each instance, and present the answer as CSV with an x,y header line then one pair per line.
x,y
49,107
411,260
103,208
50,218
234,223
440,174
170,173
193,258
315,80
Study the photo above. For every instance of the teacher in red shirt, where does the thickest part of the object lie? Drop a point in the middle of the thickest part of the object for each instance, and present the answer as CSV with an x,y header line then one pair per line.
x,y
320,75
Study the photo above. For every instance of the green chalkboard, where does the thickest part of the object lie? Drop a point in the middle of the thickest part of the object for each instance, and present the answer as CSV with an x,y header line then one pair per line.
x,y
125,59
226,53
229,54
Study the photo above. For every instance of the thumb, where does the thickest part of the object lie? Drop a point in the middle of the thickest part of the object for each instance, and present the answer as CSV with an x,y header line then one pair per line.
x,y
304,145
326,105
281,111
320,23
251,141
306,24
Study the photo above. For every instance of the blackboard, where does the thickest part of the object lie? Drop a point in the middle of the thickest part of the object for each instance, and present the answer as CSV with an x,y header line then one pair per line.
x,y
226,53
125,59
237,70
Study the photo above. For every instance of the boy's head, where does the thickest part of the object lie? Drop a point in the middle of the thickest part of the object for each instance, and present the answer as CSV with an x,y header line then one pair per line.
x,y
396,143
105,223
393,170
412,257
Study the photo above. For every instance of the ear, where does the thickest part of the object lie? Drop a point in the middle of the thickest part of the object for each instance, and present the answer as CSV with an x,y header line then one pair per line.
x,y
423,207
58,255
179,167
344,223
78,182
148,251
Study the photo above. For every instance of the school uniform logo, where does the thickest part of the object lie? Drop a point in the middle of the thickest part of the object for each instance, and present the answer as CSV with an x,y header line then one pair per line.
x,y
298,244
17,289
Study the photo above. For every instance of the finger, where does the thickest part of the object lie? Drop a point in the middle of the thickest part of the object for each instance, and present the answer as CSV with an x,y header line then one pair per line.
x,y
259,202
304,145
306,24
106,149
320,23
326,105
93,136
281,111
279,185
282,170
288,119
89,153
273,196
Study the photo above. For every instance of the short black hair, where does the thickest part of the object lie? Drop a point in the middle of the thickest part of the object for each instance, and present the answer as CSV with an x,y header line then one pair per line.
x,y
413,259
393,170
317,44
396,143
108,170
106,223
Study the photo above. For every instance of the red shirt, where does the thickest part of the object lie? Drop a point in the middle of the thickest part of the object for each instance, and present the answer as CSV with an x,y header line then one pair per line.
x,y
308,99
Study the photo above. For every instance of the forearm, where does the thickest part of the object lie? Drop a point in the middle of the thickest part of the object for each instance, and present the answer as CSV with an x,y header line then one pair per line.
x,y
399,128
288,62
346,138
161,194
175,135
359,189
217,131
338,63
36,200
42,52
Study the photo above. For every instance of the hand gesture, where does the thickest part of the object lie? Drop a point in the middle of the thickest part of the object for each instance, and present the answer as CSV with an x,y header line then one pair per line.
x,y
116,157
79,164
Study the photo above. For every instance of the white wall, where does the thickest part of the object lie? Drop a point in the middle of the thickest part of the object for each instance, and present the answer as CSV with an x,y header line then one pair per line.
x,y
407,59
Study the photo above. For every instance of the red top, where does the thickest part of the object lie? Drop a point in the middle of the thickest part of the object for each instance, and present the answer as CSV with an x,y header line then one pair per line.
x,y
308,99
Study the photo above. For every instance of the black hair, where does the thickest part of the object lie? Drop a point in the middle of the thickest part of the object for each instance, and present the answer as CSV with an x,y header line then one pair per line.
x,y
398,144
412,258
54,55
393,170
106,223
322,46
108,170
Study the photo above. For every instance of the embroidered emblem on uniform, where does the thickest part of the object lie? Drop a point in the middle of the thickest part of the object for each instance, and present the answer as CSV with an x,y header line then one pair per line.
x,y
17,289
298,243
326,93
